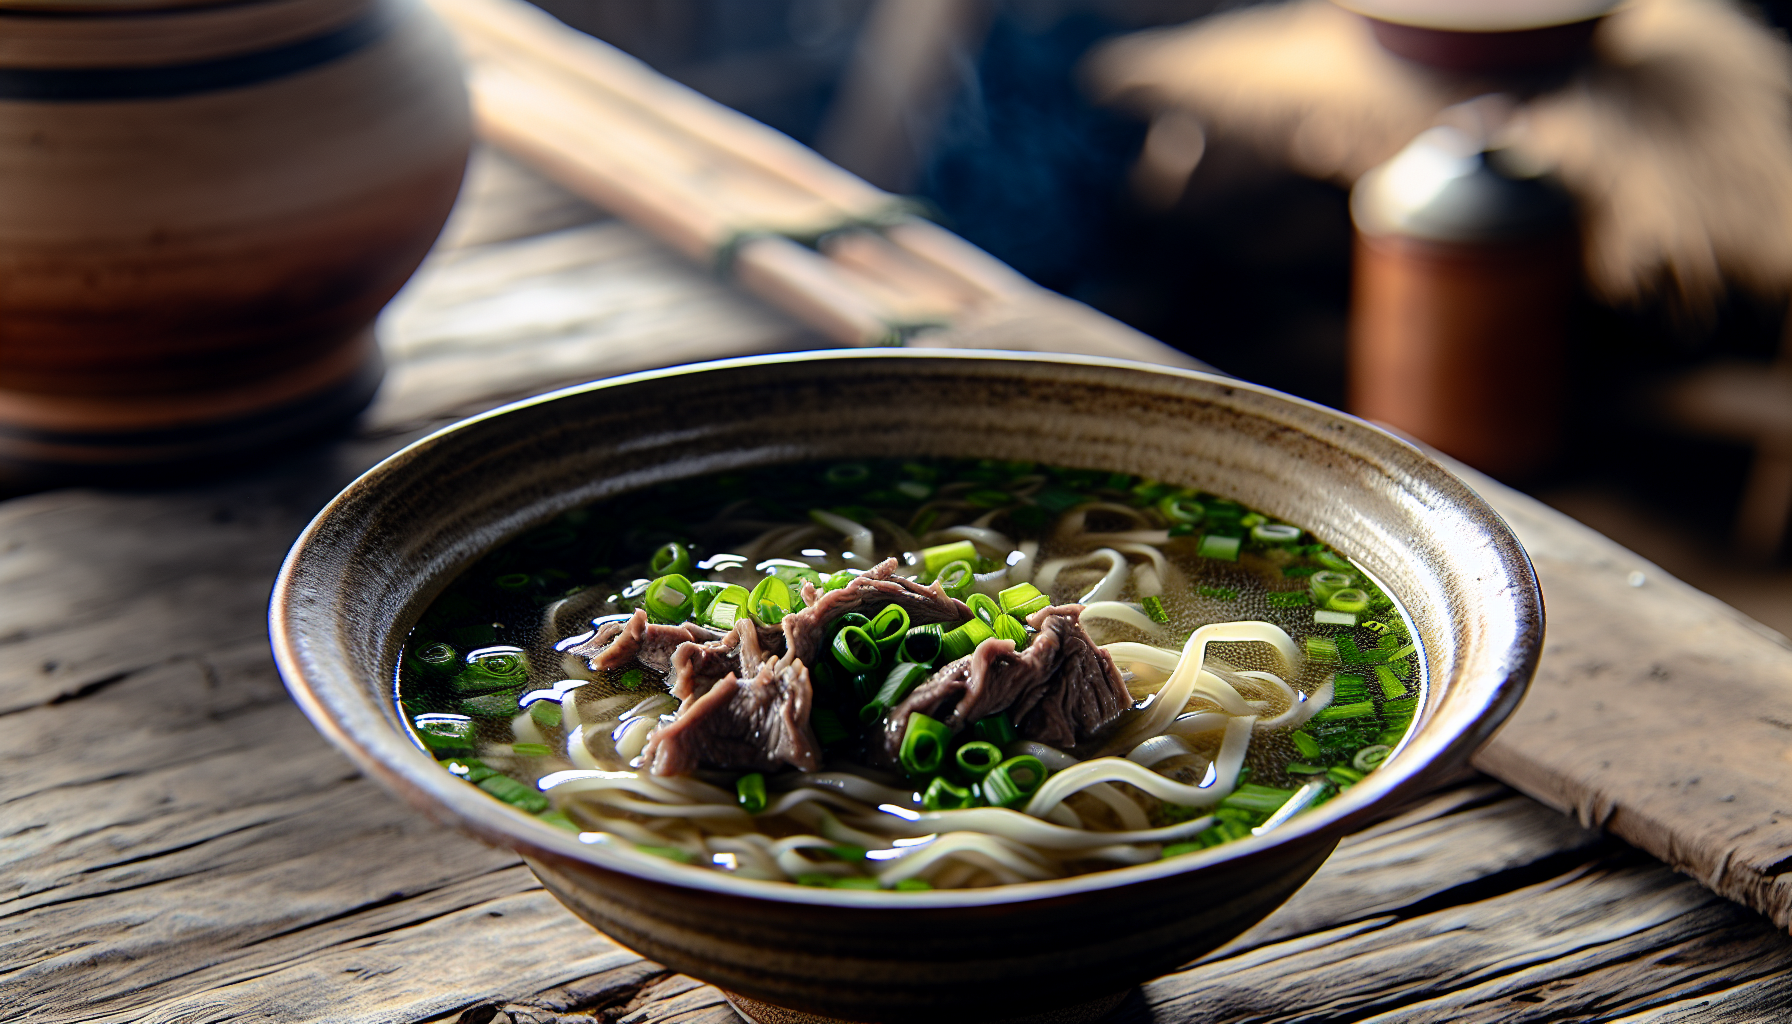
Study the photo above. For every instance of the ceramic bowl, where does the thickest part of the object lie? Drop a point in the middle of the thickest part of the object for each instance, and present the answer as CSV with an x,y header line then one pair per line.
x,y
370,563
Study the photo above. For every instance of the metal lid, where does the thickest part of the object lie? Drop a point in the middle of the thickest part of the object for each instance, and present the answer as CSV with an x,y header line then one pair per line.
x,y
1447,186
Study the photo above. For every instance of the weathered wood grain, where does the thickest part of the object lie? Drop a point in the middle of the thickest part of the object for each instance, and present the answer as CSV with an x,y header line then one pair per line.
x,y
177,844
1658,713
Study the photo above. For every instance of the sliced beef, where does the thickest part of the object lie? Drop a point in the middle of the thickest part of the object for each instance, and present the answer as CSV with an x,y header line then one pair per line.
x,y
621,644
1061,690
761,724
697,666
868,594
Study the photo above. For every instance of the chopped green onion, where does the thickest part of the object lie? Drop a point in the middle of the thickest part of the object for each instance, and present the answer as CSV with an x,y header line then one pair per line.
x,y
1322,650
944,796
1325,584
1402,652
513,581
1369,758
749,792
957,578
631,679
1260,800
445,735
1298,768
1179,509
704,594
915,489
1218,593
545,713
922,644
1253,519
1007,627
1154,608
770,601
1341,711
938,557
1333,559
923,744
855,650
847,473
1055,499
727,607
840,579
795,576
1222,548
1275,533
1286,598
1392,686
963,640
1349,599
668,599
1022,600
672,559
1010,783
997,729
1178,849
531,749
985,608
670,853
978,758
913,885
901,681
1344,776
514,793
889,627
1329,618
1307,745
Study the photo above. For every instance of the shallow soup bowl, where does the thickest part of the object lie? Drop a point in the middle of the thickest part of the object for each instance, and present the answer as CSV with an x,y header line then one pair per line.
x,y
373,560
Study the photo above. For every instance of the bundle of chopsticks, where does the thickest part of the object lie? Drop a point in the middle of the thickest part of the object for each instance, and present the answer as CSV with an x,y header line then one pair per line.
x,y
843,256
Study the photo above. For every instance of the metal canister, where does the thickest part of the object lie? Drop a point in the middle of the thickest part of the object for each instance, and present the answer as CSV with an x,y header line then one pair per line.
x,y
1465,272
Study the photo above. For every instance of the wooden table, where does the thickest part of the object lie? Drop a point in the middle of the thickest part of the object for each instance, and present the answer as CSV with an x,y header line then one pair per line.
x,y
178,845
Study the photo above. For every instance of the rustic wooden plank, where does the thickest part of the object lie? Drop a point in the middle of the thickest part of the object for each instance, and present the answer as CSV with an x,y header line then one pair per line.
x,y
1658,713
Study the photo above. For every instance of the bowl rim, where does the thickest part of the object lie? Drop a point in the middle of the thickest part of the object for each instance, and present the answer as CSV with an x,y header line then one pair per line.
x,y
396,762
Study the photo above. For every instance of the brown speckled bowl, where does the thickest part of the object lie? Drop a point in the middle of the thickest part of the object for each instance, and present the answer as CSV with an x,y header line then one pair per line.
x,y
370,563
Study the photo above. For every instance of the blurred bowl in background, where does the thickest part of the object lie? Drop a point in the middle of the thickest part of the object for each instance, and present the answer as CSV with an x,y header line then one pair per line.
x,y
207,205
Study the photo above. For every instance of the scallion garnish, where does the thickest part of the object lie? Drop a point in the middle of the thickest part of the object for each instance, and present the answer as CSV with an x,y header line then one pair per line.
x,y
956,578
997,729
923,744
1154,608
749,791
1224,549
922,644
978,758
770,601
1010,783
1022,600
1350,599
944,796
963,640
855,650
1369,758
938,557
1007,627
671,559
888,628
668,599
985,608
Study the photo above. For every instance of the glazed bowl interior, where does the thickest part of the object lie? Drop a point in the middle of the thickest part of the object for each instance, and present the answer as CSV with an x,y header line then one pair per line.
x,y
373,560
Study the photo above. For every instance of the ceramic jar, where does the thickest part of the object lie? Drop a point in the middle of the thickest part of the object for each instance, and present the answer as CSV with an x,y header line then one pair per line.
x,y
206,204
1465,273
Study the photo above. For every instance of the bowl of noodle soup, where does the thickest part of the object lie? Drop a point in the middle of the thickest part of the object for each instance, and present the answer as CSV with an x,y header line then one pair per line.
x,y
1202,742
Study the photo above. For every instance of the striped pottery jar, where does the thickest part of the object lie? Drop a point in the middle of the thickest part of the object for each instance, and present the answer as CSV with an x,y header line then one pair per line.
x,y
203,206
